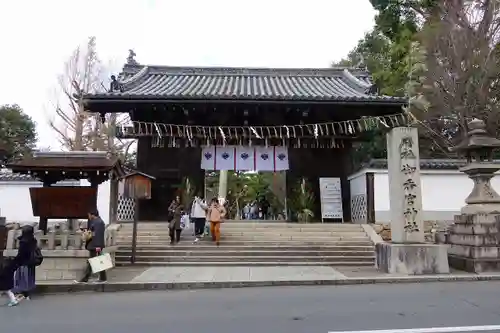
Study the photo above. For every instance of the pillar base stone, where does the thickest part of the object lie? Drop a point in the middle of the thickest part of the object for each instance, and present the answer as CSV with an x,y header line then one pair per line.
x,y
474,265
412,259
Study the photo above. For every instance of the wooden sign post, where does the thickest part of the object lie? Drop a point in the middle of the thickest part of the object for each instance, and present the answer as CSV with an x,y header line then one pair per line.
x,y
137,186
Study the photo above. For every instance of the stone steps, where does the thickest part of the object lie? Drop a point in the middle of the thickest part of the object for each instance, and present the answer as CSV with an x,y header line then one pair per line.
x,y
254,223
225,248
237,253
255,234
263,230
146,239
140,262
242,259
251,244
230,242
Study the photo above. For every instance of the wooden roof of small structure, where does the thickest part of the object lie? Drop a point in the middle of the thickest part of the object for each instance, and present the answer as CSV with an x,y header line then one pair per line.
x,y
56,166
132,173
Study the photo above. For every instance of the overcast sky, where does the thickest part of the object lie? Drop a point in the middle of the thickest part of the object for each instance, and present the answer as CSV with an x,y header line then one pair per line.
x,y
37,37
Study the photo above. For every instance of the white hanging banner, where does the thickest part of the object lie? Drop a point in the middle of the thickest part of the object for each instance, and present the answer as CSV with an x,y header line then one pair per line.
x,y
264,158
225,158
208,158
245,158
281,158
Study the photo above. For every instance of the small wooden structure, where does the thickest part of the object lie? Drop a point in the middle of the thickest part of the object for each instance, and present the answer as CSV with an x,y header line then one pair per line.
x,y
136,185
66,201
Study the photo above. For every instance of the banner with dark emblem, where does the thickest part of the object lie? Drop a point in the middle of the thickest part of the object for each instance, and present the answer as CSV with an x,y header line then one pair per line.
x,y
245,158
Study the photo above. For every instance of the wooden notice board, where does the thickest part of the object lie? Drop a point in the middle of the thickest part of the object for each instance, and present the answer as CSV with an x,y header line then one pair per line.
x,y
63,201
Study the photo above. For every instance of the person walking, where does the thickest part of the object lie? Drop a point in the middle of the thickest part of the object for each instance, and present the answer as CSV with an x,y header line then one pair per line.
x,y
199,216
24,276
215,215
254,211
264,207
174,226
95,242
7,269
246,211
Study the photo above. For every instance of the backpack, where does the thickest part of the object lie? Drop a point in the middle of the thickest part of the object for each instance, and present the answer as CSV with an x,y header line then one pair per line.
x,y
36,257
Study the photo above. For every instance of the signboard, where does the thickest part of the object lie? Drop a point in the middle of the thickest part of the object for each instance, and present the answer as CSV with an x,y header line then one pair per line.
x,y
60,202
331,198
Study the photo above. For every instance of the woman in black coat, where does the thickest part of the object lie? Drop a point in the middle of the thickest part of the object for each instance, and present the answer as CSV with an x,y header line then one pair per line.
x,y
7,269
24,278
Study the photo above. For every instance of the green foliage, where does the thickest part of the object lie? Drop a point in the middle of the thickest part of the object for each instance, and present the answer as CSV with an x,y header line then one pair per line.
x,y
392,55
187,192
244,187
18,134
302,201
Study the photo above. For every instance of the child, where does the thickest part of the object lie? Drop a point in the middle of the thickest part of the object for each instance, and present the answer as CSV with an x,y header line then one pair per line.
x,y
7,269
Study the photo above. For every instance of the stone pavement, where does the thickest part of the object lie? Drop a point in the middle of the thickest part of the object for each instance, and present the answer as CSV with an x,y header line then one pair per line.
x,y
206,274
252,273
148,278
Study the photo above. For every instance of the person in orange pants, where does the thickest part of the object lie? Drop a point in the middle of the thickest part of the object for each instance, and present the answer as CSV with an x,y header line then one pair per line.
x,y
215,215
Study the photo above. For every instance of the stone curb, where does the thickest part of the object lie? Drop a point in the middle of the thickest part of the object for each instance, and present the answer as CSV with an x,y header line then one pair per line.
x,y
142,286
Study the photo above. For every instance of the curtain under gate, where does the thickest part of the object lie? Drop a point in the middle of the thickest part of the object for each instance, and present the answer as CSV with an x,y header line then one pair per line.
x,y
244,158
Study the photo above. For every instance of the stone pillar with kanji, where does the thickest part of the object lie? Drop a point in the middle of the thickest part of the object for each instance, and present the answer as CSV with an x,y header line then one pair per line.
x,y
407,252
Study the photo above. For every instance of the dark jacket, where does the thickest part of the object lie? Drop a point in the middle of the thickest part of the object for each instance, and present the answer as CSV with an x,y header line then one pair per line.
x,y
176,209
7,269
27,246
97,227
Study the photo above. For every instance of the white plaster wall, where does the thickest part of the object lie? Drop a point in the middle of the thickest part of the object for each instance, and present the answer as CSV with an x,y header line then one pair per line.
x,y
357,184
381,196
15,201
103,197
443,193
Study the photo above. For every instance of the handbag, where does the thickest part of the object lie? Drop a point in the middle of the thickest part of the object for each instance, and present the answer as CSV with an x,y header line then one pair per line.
x,y
87,235
100,263
36,258
185,222
170,216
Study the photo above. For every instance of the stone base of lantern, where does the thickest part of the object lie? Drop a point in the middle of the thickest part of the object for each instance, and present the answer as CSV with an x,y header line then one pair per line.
x,y
474,242
412,259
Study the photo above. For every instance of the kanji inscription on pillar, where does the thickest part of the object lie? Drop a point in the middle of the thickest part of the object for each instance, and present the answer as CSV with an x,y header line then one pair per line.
x,y
404,184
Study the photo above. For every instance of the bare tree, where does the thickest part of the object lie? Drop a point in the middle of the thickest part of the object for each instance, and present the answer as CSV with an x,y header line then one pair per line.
x,y
462,68
81,75
76,127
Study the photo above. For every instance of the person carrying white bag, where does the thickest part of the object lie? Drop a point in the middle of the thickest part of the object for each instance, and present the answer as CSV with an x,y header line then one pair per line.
x,y
185,223
94,243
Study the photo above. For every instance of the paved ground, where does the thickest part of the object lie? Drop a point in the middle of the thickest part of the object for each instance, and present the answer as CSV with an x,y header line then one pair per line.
x,y
243,273
273,310
197,274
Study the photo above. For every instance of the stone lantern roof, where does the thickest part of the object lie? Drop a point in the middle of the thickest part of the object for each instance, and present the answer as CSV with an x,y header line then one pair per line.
x,y
478,144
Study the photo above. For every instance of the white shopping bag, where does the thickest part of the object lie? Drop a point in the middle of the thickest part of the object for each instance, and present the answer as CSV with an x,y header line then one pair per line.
x,y
185,222
101,263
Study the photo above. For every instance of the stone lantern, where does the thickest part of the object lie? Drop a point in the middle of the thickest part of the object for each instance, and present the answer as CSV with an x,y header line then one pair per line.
x,y
478,149
473,238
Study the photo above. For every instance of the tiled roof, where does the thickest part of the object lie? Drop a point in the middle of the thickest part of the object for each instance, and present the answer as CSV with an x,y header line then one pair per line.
x,y
66,160
425,164
15,177
9,176
209,83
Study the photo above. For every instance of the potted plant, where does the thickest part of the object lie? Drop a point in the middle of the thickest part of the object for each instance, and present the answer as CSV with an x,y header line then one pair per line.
x,y
303,201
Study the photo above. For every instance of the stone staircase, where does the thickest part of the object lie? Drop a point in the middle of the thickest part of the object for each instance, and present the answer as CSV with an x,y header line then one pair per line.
x,y
251,244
